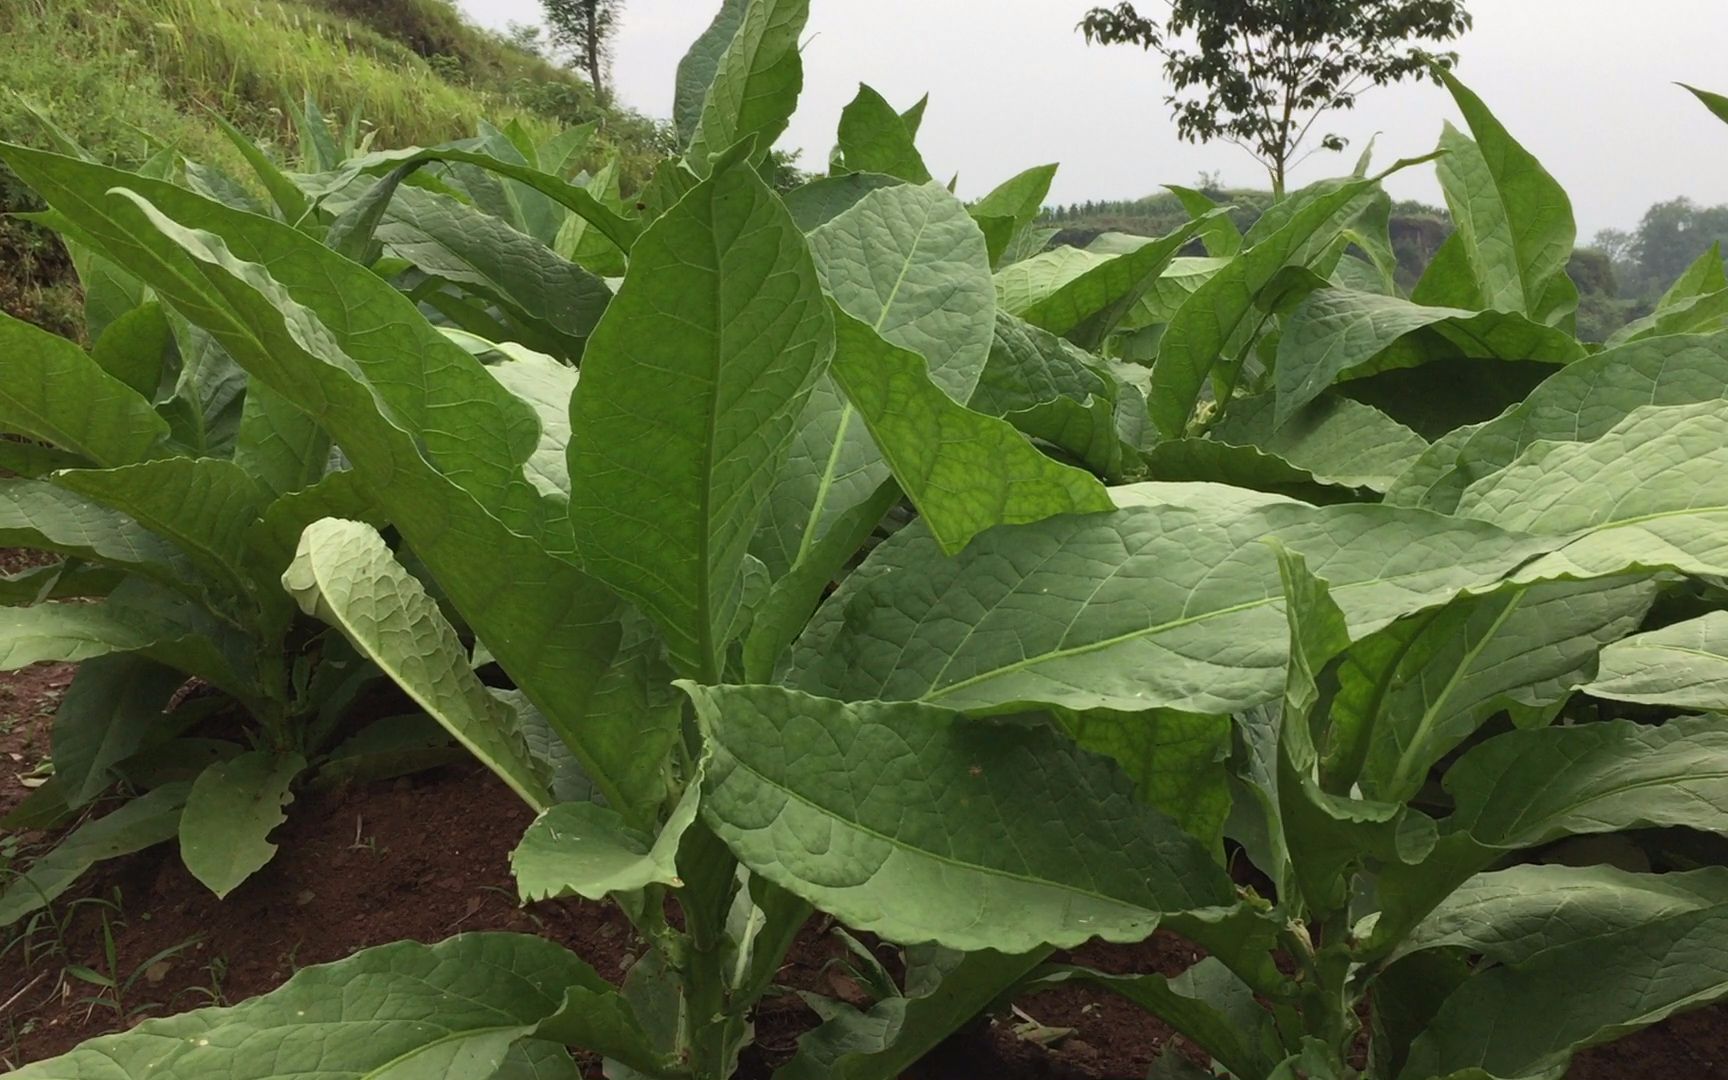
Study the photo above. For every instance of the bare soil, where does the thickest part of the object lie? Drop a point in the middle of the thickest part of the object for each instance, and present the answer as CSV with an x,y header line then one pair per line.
x,y
426,857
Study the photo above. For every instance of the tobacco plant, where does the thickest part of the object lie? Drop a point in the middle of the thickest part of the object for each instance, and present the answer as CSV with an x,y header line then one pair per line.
x,y
869,561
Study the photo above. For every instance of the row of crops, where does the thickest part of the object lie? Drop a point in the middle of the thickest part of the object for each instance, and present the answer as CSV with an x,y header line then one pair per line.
x,y
844,551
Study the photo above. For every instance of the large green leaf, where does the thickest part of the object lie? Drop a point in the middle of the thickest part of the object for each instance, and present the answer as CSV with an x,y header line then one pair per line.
x,y
1684,665
109,712
1512,915
51,389
1578,403
1155,605
874,139
1504,1024
71,631
1219,312
355,354
963,470
278,445
149,819
755,85
1342,333
1411,693
908,262
1514,220
404,1011
345,574
479,163
584,849
229,813
1526,788
1333,439
689,394
913,843
1652,493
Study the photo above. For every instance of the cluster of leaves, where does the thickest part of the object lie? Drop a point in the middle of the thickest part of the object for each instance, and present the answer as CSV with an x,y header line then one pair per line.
x,y
843,555
175,489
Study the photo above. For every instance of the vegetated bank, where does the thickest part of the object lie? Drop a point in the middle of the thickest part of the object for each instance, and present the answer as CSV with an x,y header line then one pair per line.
x,y
127,77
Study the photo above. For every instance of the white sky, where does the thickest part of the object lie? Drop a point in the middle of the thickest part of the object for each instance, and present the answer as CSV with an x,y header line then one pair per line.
x,y
1586,85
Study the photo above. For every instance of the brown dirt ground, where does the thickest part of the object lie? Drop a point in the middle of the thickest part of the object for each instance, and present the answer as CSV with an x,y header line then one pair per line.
x,y
426,857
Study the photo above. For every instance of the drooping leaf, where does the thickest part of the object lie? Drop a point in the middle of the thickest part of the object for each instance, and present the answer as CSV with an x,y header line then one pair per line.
x,y
1513,915
1684,665
1341,333
1650,493
582,849
787,792
344,574
442,237
689,395
231,809
1413,692
1334,439
1220,235
1716,103
1503,1024
965,471
911,264
1581,402
1530,787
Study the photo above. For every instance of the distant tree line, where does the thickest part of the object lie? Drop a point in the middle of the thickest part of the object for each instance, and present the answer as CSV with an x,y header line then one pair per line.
x,y
1620,274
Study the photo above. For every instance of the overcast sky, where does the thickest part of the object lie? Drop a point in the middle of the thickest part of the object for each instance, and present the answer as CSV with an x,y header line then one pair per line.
x,y
1586,85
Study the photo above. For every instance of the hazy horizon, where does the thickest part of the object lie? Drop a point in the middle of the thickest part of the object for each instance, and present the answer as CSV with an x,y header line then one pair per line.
x,y
1012,85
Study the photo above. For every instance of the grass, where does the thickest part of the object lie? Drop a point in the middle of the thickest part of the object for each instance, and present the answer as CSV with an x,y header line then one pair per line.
x,y
125,77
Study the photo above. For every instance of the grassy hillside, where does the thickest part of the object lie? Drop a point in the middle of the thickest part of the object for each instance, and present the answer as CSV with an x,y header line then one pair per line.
x,y
122,76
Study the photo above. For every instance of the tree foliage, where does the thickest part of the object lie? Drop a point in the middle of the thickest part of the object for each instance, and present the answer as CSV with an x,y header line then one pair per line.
x,y
1259,73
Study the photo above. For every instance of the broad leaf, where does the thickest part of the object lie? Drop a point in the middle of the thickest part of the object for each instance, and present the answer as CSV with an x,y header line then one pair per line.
x,y
583,849
1504,1024
230,811
1514,222
1338,334
1684,666
800,788
1153,605
696,70
366,1018
690,391
108,713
